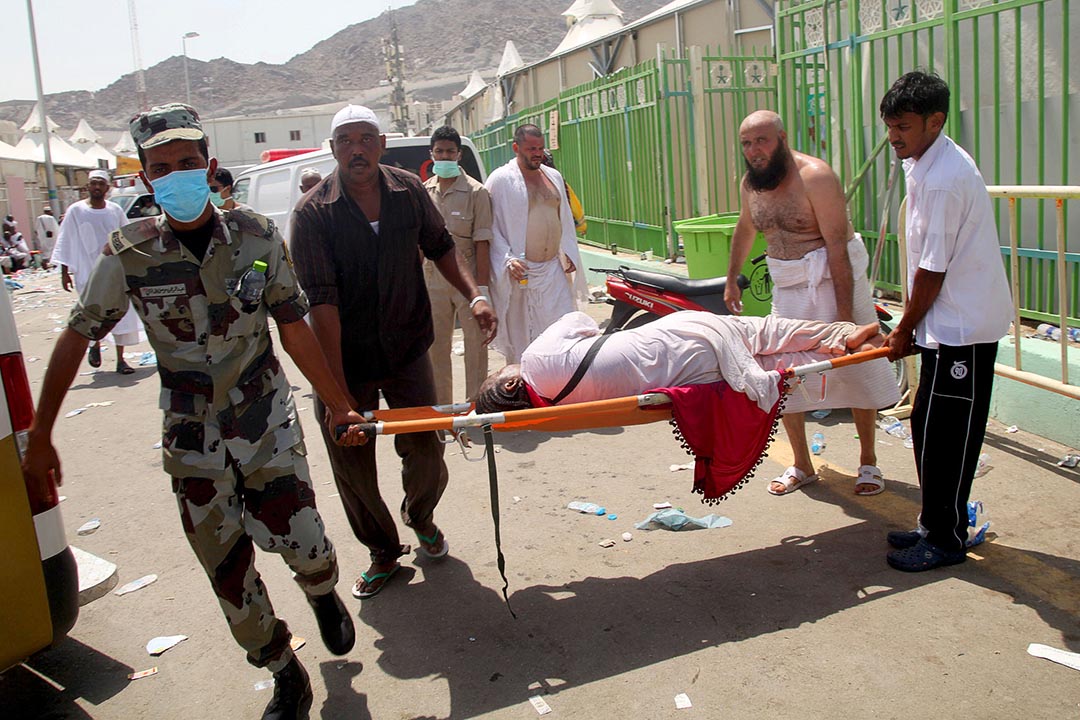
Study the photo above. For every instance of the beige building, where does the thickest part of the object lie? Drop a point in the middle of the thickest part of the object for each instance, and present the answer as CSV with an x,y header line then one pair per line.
x,y
730,27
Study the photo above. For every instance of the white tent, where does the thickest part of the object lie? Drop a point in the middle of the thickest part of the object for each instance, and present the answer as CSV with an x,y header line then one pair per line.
x,y
125,145
476,85
33,123
86,141
83,134
12,152
592,19
62,154
511,60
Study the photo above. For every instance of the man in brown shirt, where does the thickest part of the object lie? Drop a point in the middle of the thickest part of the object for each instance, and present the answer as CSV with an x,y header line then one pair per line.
x,y
356,241
466,208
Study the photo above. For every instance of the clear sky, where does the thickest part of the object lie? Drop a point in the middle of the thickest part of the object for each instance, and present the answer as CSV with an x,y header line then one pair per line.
x,y
86,44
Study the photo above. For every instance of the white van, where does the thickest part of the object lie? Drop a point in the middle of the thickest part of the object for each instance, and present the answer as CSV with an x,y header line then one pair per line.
x,y
273,188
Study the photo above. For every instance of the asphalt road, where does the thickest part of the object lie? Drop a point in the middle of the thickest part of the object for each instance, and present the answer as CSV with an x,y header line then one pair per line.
x,y
789,612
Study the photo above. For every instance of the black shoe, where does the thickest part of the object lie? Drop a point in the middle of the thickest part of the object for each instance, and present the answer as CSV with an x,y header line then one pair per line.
x,y
94,356
901,539
924,556
292,693
335,624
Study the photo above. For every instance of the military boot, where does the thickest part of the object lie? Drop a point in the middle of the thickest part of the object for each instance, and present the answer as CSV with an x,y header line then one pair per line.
x,y
292,693
335,624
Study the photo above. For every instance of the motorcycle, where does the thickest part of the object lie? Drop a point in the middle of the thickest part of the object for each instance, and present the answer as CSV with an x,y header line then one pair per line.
x,y
641,296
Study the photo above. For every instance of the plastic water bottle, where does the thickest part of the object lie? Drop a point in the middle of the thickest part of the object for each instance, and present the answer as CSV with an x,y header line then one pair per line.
x,y
587,508
893,427
1048,331
821,414
984,465
1074,335
252,285
524,281
817,443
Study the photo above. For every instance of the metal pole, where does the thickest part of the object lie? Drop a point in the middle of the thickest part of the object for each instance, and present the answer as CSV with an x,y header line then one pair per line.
x,y
187,79
54,196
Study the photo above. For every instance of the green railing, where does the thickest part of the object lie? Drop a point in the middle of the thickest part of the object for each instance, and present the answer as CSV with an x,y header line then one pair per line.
x,y
1008,66
609,152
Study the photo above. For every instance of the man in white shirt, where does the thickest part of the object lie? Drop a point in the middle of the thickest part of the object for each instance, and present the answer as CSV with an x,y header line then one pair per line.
x,y
684,348
958,308
46,230
86,227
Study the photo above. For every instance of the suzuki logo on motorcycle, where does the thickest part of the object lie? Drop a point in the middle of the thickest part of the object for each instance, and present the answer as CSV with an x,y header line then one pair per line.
x,y
641,301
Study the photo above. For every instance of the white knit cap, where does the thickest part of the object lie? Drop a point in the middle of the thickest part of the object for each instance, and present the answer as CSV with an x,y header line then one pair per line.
x,y
98,175
354,114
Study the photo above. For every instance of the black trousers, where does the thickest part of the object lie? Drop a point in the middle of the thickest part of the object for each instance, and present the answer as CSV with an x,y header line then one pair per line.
x,y
948,424
423,473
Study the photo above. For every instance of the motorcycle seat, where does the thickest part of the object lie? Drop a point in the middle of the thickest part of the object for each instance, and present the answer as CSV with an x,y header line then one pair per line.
x,y
676,284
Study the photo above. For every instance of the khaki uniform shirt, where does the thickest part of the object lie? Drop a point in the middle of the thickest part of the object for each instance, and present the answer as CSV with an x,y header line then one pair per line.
x,y
224,394
466,209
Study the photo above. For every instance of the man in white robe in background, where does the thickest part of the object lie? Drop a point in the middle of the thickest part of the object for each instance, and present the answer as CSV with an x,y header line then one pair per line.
x,y
535,265
86,227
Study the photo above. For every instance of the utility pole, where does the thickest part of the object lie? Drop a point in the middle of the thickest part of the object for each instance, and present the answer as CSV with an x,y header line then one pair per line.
x,y
395,61
136,58
50,180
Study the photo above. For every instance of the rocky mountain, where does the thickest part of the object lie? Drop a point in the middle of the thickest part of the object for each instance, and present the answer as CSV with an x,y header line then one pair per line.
x,y
443,41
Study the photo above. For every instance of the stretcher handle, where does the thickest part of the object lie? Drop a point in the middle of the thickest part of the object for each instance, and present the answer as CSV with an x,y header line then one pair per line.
x,y
838,362
366,428
856,358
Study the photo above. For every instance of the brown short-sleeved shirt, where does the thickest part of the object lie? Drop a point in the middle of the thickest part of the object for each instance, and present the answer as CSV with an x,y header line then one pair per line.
x,y
376,280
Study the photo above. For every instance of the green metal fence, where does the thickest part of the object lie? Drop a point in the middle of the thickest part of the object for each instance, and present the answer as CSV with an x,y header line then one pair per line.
x,y
1008,65
608,151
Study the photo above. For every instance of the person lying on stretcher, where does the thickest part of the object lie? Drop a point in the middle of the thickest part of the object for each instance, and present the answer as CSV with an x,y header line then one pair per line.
x,y
684,348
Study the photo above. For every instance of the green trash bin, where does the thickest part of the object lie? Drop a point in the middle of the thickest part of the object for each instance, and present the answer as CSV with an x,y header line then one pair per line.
x,y
707,246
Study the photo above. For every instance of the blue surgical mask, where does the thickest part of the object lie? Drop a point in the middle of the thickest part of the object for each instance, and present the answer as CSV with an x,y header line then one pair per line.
x,y
446,168
182,194
216,199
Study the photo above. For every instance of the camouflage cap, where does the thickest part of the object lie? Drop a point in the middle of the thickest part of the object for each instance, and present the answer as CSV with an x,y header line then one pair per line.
x,y
166,123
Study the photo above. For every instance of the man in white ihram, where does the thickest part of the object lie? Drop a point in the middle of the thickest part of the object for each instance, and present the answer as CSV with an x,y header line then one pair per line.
x,y
86,227
534,250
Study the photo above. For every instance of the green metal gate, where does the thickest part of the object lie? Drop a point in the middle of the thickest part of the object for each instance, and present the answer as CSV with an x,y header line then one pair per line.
x,y
1008,66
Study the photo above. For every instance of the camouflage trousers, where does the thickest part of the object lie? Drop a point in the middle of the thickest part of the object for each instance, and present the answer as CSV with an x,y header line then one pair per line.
x,y
273,507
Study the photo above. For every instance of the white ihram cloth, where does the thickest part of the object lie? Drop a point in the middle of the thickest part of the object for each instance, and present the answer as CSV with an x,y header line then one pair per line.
x,y
524,313
684,348
803,289
83,234
43,226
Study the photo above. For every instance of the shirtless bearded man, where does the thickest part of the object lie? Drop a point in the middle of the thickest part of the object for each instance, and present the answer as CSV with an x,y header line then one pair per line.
x,y
818,268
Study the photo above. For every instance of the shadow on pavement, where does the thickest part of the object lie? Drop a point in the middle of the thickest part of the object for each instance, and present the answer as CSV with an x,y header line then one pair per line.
x,y
80,672
342,700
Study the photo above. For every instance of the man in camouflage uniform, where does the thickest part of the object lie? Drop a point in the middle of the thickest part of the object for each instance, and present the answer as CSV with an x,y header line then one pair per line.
x,y
232,440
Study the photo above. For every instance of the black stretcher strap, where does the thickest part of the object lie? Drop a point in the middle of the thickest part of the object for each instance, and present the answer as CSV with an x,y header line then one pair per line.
x,y
581,369
493,485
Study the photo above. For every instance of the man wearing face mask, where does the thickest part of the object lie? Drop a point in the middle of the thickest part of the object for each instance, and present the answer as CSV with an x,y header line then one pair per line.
x,y
465,206
203,282
221,191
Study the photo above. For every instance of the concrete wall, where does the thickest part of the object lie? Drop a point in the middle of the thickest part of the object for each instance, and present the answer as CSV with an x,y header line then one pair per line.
x,y
1031,409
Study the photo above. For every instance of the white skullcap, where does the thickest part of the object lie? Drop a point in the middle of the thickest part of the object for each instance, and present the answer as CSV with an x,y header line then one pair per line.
x,y
99,175
354,114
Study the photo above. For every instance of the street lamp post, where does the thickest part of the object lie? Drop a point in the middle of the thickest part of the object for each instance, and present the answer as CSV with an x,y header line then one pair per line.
x,y
183,46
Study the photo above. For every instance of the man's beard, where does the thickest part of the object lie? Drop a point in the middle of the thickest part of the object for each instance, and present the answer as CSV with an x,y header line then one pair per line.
x,y
769,177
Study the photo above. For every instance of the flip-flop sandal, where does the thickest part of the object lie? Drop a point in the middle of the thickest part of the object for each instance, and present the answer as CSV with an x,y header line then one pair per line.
x,y
369,579
125,369
792,480
94,356
870,475
426,541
